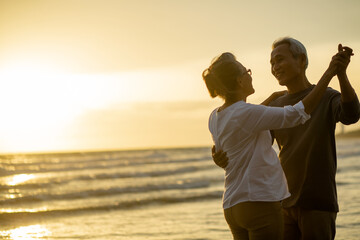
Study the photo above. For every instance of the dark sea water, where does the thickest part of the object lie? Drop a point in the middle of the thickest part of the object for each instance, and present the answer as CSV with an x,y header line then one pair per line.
x,y
145,194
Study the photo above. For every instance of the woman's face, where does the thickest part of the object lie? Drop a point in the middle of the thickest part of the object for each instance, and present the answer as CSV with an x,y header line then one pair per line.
x,y
245,80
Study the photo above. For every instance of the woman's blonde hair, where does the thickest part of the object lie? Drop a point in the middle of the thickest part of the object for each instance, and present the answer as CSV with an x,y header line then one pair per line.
x,y
221,77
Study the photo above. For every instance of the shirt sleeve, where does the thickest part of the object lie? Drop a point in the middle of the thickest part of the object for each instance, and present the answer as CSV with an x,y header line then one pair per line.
x,y
345,112
260,118
213,128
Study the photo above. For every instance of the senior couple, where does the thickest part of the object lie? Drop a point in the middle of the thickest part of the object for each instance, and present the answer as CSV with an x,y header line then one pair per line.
x,y
294,198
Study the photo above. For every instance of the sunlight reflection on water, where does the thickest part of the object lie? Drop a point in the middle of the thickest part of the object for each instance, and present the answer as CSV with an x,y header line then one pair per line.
x,y
20,178
31,232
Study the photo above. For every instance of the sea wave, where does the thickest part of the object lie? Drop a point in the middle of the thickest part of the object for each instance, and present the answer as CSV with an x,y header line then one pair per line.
x,y
150,187
21,216
8,169
80,183
55,181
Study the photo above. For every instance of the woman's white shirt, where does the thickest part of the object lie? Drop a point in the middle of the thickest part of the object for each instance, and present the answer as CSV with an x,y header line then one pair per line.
x,y
254,172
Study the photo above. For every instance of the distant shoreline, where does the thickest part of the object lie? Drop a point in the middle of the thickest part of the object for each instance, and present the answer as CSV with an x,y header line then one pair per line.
x,y
351,134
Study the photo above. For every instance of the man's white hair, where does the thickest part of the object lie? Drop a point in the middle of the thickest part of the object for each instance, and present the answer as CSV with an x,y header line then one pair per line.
x,y
295,47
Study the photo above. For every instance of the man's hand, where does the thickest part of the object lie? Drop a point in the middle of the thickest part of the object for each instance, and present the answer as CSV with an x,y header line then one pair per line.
x,y
280,93
273,97
340,61
219,158
347,91
345,53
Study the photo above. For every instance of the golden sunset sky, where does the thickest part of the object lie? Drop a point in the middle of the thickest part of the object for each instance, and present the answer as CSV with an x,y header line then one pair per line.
x,y
113,74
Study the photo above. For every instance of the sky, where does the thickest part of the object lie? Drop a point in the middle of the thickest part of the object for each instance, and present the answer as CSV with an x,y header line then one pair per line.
x,y
126,74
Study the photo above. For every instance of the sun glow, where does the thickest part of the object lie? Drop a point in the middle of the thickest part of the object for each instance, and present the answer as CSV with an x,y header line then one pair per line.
x,y
32,102
39,102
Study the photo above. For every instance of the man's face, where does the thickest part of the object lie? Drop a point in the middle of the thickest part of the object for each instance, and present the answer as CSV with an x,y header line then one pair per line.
x,y
284,66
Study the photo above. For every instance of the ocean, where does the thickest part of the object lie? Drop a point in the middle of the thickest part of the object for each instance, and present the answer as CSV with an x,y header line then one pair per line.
x,y
152,194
